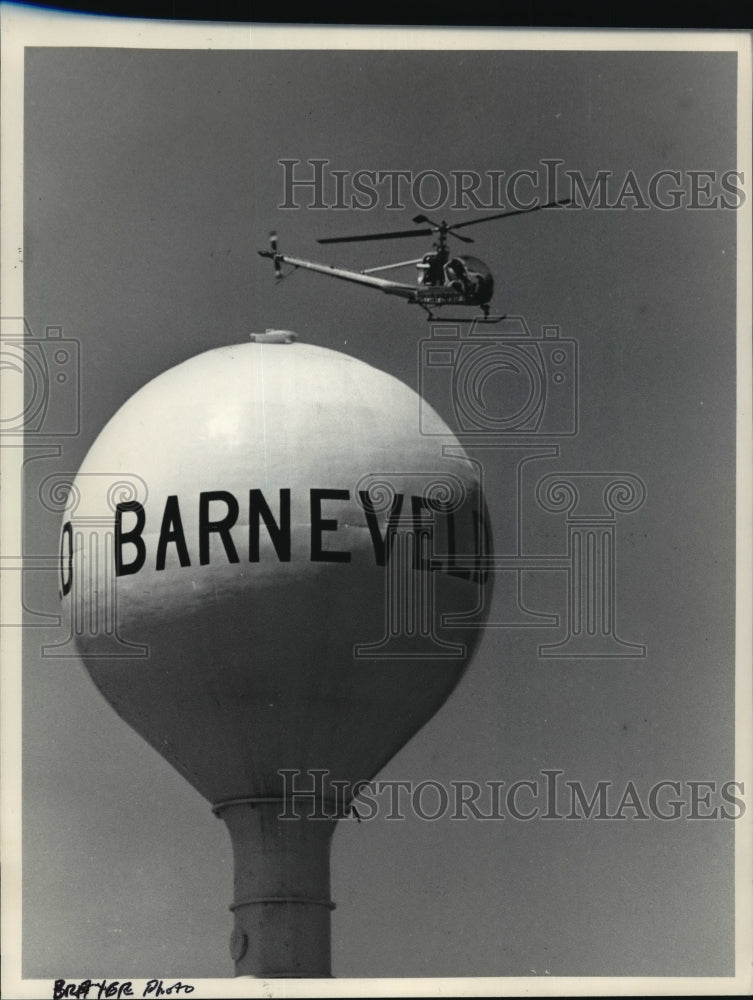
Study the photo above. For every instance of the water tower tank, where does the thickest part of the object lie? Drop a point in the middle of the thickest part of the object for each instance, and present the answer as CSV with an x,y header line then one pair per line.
x,y
294,562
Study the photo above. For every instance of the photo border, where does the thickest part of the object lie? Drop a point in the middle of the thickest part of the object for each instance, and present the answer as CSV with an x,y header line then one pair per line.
x,y
22,27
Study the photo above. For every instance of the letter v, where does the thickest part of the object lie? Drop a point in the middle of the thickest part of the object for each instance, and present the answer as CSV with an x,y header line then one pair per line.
x,y
379,540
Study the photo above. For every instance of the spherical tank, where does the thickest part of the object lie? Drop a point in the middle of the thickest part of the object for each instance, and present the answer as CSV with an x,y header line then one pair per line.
x,y
270,561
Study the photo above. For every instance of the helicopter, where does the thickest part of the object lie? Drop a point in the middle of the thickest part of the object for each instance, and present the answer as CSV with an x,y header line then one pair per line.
x,y
443,279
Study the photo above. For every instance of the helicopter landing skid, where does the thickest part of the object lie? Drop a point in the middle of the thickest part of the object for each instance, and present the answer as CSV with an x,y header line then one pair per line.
x,y
486,318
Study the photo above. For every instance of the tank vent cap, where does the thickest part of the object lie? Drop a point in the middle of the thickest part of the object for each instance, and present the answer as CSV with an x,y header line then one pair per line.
x,y
274,337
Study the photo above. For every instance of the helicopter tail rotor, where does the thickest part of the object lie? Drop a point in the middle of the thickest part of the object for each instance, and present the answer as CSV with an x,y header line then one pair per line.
x,y
275,259
274,256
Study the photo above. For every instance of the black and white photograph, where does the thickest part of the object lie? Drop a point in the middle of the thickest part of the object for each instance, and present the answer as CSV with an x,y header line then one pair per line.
x,y
376,516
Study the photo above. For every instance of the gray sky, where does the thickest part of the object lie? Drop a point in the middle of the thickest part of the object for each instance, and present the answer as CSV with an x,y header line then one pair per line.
x,y
151,179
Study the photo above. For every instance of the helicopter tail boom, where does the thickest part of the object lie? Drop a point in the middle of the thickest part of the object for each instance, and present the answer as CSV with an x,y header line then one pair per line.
x,y
383,284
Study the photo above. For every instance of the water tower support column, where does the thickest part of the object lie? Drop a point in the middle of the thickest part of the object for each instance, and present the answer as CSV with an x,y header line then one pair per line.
x,y
282,887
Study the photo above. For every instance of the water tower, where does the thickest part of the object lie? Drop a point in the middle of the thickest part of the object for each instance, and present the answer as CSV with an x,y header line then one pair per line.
x,y
296,570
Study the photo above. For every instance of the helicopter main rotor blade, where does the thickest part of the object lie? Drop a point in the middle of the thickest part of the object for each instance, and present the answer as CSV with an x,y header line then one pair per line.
x,y
439,227
507,215
400,234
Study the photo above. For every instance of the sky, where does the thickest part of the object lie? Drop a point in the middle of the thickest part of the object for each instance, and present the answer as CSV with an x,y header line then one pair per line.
x,y
151,178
